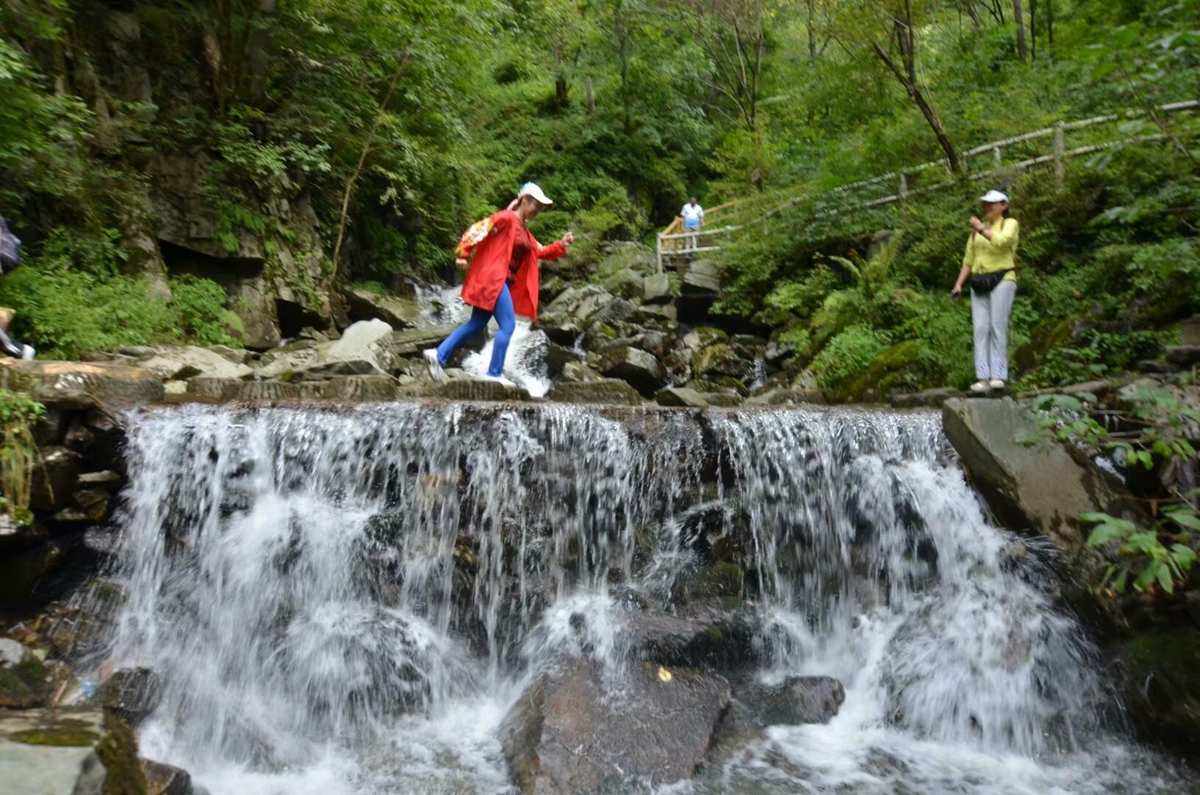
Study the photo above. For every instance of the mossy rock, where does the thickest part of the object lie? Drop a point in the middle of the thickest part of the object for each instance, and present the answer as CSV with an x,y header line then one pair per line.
x,y
1045,337
118,751
1162,687
887,371
722,581
60,736
25,684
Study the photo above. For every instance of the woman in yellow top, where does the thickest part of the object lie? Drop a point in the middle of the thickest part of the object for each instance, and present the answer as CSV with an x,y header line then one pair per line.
x,y
989,267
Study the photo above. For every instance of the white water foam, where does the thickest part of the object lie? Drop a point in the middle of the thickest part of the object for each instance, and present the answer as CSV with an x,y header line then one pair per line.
x,y
350,600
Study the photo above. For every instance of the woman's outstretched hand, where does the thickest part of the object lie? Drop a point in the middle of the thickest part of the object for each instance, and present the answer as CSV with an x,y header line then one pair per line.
x,y
956,292
977,225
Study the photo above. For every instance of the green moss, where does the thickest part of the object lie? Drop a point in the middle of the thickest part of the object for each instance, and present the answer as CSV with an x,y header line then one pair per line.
x,y
118,752
23,684
58,737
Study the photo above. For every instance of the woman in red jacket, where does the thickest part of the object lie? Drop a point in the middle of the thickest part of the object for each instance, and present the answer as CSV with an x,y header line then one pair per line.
x,y
502,280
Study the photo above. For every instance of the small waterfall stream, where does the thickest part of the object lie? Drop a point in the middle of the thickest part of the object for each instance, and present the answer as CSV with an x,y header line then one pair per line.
x,y
348,600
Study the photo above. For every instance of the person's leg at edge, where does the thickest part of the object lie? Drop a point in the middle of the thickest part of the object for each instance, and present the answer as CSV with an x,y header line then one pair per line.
x,y
477,323
506,318
981,320
1001,304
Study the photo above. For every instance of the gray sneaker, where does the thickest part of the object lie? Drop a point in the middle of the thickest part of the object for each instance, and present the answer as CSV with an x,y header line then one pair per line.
x,y
435,367
27,352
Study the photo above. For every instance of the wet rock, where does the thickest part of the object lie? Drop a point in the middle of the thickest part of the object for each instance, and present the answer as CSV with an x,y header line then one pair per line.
x,y
798,699
88,506
930,397
605,390
105,479
80,385
782,396
1030,481
708,638
639,368
396,311
558,357
571,733
133,693
54,479
22,574
1157,673
24,679
680,396
477,389
184,362
164,779
51,753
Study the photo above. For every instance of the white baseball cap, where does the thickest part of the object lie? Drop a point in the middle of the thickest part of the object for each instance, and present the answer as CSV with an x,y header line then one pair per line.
x,y
531,189
993,196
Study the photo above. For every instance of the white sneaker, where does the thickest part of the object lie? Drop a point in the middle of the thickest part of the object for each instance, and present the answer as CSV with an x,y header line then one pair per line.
x,y
436,372
979,387
27,352
996,383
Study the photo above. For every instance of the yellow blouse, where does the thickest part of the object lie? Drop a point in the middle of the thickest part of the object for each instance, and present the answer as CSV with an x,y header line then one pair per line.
x,y
997,254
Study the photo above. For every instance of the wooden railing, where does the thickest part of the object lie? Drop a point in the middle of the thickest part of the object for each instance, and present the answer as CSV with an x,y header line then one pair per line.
x,y
905,183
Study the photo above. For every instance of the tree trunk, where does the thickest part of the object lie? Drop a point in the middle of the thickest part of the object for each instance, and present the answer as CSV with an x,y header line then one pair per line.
x,y
1019,18
927,110
352,180
1033,30
1050,27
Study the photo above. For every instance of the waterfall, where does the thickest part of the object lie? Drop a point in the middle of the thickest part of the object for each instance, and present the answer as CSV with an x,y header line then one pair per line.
x,y
348,600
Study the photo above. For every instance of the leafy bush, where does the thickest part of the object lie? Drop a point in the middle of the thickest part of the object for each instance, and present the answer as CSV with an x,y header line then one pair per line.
x,y
847,356
200,305
18,452
1160,553
72,300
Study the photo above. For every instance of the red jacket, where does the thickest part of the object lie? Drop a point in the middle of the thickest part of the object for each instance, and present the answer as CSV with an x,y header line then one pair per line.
x,y
509,243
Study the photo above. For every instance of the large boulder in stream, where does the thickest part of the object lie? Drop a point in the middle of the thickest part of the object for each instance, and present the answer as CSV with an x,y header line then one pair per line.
x,y
571,732
1029,480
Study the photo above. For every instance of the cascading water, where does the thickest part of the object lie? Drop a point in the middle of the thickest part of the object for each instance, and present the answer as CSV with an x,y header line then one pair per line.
x,y
349,600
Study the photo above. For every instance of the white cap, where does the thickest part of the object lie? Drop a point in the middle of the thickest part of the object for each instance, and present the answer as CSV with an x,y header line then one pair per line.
x,y
993,196
531,189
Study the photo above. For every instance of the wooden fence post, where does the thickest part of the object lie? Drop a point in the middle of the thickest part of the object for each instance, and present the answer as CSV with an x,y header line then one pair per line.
x,y
1060,154
658,250
997,158
903,186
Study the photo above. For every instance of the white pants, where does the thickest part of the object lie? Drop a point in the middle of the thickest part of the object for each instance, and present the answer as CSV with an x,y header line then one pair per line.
x,y
990,313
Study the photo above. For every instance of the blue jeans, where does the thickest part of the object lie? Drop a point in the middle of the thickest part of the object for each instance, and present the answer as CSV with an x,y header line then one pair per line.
x,y
506,318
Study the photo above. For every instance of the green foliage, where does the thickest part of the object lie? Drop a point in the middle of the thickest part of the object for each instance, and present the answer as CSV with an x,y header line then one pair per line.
x,y
18,452
847,356
1162,441
201,308
73,299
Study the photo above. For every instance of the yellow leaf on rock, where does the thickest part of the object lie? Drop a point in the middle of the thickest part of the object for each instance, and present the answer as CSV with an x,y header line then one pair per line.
x,y
663,674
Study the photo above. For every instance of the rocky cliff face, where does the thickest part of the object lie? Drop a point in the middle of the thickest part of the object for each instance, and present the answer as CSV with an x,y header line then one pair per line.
x,y
179,213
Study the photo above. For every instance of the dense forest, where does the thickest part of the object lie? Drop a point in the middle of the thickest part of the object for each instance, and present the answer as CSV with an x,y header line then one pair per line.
x,y
215,171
